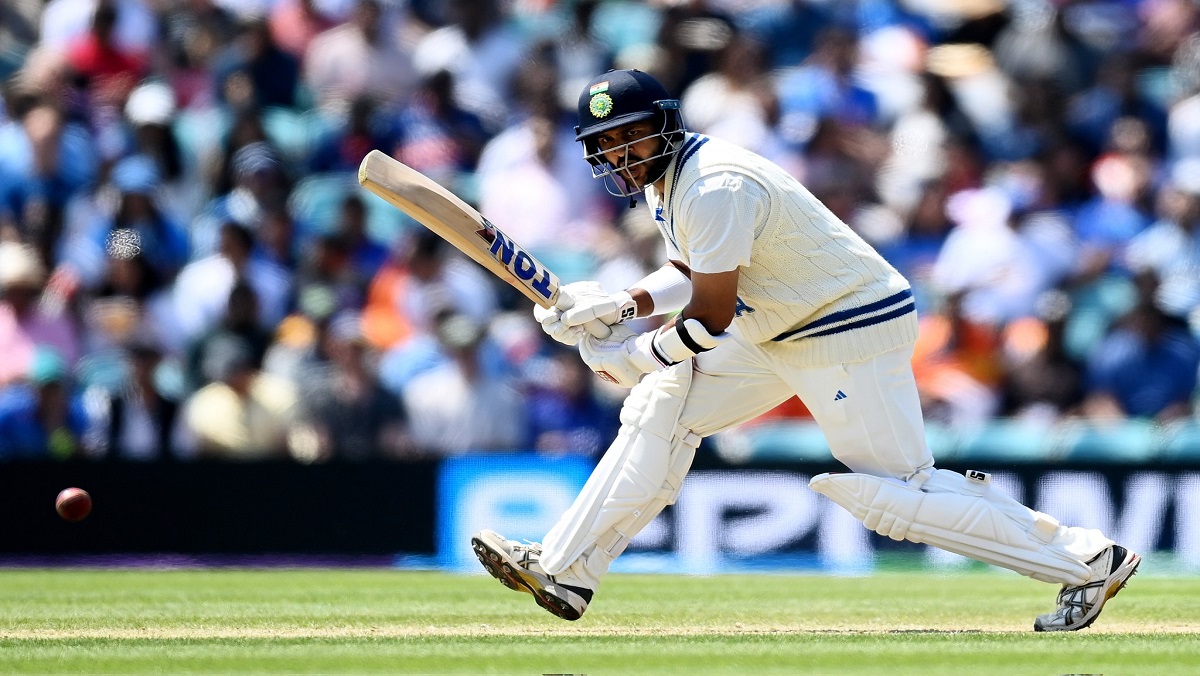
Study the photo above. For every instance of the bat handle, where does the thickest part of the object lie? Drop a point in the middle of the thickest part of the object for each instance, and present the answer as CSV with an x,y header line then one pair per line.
x,y
598,329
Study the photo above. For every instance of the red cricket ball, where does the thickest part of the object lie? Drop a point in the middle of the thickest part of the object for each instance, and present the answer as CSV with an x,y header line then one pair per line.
x,y
73,504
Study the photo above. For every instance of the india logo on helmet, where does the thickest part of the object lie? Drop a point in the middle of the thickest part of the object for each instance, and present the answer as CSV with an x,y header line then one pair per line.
x,y
600,105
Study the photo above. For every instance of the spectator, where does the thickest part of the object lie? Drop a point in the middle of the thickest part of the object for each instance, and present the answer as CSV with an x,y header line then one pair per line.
x,y
472,410
30,317
1092,114
40,417
358,58
277,237
44,161
1145,368
482,52
343,148
998,269
736,101
554,220
132,301
195,35
64,21
203,288
579,54
1171,247
956,362
365,254
150,112
109,70
915,251
349,414
240,321
138,421
918,140
1042,381
295,23
424,278
271,74
246,130
243,414
1106,223
824,87
259,186
138,225
436,135
328,266
563,414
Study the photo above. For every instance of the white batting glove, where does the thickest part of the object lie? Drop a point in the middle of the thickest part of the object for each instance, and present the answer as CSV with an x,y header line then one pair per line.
x,y
624,357
593,303
618,359
551,321
568,298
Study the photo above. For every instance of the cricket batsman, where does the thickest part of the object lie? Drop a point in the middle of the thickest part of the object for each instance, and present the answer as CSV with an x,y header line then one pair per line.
x,y
776,296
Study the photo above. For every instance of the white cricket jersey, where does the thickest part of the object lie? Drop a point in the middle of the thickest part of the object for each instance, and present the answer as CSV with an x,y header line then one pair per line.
x,y
807,281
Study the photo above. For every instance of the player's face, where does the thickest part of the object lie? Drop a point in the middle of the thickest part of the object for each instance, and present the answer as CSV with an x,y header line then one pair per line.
x,y
630,149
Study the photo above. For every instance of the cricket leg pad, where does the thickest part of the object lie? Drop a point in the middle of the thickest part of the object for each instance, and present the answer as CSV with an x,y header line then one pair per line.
x,y
640,474
963,514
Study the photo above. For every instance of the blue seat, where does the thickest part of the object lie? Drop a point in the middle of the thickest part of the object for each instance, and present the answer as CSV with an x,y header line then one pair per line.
x,y
944,441
570,265
1127,441
1006,440
803,441
1094,307
317,198
1181,441
289,131
108,370
775,440
199,132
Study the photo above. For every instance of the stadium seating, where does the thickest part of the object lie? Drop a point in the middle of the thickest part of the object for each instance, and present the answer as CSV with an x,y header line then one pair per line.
x,y
1181,442
1124,441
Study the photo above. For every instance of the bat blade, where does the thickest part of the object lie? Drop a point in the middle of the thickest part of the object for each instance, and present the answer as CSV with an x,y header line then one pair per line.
x,y
460,224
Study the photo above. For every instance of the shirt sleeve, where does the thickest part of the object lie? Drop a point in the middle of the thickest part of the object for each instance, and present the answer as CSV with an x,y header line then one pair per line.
x,y
723,213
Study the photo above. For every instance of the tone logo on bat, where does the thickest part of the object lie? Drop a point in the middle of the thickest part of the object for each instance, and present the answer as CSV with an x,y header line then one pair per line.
x,y
522,265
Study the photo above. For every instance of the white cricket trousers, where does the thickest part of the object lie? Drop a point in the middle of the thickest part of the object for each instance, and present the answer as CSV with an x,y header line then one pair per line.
x,y
869,411
870,415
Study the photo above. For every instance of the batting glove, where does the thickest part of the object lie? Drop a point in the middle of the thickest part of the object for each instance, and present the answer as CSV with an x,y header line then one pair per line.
x,y
624,357
569,296
591,302
551,321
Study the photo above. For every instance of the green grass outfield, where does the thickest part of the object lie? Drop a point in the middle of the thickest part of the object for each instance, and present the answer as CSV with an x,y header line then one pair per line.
x,y
336,621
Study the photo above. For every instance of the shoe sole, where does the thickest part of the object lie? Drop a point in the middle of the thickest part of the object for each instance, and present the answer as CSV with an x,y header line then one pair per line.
x,y
500,565
1116,583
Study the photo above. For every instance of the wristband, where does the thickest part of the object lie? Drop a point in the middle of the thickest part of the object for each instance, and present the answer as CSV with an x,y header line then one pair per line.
x,y
669,289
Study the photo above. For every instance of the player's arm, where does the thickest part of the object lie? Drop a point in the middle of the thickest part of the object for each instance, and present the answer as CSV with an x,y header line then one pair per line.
x,y
713,300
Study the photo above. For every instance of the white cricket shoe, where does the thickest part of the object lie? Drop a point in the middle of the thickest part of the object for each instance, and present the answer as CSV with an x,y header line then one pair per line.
x,y
1079,606
516,565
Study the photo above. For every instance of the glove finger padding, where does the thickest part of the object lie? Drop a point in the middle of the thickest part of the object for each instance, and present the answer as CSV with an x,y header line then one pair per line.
x,y
551,322
611,358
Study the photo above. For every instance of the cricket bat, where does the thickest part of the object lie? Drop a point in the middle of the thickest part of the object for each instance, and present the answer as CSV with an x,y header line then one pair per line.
x,y
458,223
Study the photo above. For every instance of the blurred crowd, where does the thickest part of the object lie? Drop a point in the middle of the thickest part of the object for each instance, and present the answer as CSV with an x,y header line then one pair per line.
x,y
188,268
